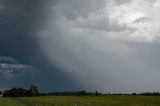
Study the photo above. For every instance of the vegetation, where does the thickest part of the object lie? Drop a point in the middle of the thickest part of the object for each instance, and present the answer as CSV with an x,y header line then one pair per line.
x,y
82,101
32,97
10,102
34,91
91,101
19,92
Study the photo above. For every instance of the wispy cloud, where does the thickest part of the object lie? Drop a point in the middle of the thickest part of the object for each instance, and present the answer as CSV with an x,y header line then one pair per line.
x,y
6,68
9,65
7,59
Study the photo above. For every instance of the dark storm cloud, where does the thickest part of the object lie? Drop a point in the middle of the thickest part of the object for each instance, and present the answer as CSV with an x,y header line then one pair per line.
x,y
17,22
22,62
105,45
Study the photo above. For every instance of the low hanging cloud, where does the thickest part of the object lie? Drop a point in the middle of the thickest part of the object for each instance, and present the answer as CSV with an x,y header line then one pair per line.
x,y
8,59
110,46
10,66
6,68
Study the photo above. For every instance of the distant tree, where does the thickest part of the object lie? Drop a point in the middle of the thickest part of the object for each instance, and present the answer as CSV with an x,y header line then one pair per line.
x,y
33,91
96,93
81,93
134,94
15,92
19,92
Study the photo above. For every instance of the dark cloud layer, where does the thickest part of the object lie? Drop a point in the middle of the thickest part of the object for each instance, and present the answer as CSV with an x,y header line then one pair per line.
x,y
105,45
19,19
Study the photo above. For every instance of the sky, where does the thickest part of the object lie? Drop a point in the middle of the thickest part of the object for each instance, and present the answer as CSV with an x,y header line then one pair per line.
x,y
103,45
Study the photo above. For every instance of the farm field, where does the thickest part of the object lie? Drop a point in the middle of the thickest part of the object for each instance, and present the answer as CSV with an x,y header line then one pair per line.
x,y
10,102
91,101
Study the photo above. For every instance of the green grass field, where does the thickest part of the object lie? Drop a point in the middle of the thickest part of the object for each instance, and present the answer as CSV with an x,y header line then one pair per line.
x,y
91,101
10,102
82,101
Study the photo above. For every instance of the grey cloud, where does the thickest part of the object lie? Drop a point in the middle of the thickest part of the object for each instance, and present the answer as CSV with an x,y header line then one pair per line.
x,y
87,15
73,9
94,61
103,24
8,59
152,2
9,66
142,19
119,2
68,35
6,68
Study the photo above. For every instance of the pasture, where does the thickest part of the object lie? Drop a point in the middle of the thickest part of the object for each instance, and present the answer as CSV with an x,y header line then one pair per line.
x,y
10,102
82,101
91,101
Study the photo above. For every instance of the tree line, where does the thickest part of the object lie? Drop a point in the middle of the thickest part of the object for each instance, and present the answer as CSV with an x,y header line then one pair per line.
x,y
34,91
20,92
71,93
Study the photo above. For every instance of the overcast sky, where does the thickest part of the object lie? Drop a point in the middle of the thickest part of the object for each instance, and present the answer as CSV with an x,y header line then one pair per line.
x,y
104,45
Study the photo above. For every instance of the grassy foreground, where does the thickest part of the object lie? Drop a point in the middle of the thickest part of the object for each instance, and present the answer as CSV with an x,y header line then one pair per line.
x,y
10,102
91,101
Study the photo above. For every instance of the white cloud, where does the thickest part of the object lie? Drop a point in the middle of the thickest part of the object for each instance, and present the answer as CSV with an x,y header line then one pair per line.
x,y
146,31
